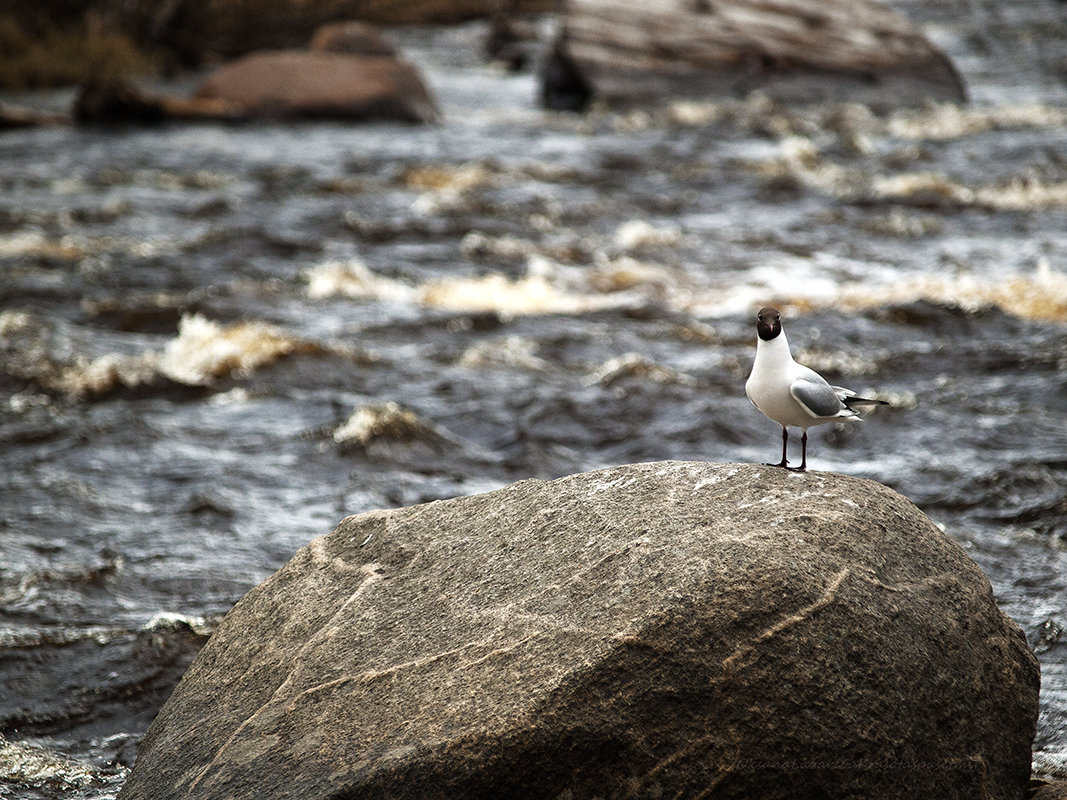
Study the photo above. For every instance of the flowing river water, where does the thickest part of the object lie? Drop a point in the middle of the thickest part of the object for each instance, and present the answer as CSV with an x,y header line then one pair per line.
x,y
216,341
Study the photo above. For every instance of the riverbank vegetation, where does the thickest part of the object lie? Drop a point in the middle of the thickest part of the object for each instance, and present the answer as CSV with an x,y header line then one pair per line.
x,y
68,53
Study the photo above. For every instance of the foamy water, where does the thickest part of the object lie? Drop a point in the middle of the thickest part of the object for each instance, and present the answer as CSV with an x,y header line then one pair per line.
x,y
22,764
1040,295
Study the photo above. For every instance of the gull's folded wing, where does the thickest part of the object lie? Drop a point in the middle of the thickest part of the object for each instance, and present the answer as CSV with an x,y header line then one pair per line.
x,y
818,399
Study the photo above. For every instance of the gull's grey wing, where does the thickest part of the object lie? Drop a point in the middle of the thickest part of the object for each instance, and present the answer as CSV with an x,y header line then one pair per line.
x,y
817,397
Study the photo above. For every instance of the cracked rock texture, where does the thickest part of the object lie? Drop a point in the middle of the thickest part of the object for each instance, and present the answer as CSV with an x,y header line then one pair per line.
x,y
665,630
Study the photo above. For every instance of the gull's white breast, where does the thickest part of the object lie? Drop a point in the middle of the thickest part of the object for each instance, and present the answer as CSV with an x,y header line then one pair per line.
x,y
773,373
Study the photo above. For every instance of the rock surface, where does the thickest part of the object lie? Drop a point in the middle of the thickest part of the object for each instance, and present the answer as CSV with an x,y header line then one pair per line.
x,y
1048,790
320,84
657,630
794,50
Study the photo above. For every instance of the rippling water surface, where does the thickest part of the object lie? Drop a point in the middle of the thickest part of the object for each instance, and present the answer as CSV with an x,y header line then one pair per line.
x,y
217,341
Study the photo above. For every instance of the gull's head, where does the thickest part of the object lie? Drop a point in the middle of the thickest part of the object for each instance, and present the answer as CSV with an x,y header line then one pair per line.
x,y
768,323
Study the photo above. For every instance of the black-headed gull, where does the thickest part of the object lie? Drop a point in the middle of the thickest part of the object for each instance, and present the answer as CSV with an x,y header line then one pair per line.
x,y
790,393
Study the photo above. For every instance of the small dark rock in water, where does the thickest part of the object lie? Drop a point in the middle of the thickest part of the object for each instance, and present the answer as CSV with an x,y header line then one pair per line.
x,y
562,86
658,630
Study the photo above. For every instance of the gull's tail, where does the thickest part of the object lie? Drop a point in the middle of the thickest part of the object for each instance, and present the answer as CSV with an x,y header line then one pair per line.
x,y
850,399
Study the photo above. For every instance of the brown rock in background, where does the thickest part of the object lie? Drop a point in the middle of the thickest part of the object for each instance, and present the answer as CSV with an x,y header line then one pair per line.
x,y
305,84
656,630
354,38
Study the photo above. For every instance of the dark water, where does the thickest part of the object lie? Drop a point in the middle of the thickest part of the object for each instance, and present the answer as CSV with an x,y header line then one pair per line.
x,y
217,341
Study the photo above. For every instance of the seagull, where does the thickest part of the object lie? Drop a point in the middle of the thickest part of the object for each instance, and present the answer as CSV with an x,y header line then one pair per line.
x,y
790,393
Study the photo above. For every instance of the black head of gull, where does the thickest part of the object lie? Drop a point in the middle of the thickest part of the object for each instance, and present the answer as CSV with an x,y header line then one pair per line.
x,y
768,323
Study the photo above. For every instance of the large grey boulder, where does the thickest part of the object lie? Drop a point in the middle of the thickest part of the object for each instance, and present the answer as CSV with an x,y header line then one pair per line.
x,y
794,50
674,630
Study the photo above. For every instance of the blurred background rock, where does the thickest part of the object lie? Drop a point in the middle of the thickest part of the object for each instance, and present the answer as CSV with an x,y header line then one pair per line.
x,y
53,43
